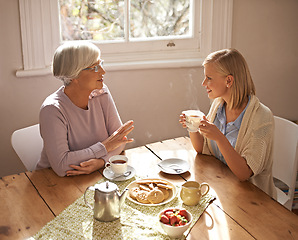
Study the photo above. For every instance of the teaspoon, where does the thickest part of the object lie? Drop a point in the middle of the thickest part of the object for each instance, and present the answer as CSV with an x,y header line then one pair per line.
x,y
126,174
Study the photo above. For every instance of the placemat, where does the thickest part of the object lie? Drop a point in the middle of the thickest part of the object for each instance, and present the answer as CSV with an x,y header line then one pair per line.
x,y
136,221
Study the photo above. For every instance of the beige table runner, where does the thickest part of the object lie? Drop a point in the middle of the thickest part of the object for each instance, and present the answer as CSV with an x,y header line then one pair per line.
x,y
136,221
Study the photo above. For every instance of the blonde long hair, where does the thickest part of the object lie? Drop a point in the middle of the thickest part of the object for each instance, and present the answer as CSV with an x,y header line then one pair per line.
x,y
231,62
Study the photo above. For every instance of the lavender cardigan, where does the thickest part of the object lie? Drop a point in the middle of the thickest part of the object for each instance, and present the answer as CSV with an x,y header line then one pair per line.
x,y
72,135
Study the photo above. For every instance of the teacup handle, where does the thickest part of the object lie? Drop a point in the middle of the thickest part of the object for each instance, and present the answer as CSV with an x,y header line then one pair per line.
x,y
107,164
207,189
86,199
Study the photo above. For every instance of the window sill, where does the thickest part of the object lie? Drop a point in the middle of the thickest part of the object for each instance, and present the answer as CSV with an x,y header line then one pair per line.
x,y
128,65
34,72
153,64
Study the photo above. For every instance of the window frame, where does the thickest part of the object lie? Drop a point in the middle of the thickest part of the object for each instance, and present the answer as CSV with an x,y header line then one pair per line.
x,y
41,36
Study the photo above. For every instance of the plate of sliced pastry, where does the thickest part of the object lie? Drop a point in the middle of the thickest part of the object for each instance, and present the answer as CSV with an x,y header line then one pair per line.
x,y
151,191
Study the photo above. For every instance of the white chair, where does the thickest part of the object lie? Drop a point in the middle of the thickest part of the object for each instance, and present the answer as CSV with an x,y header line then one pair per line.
x,y
28,144
285,158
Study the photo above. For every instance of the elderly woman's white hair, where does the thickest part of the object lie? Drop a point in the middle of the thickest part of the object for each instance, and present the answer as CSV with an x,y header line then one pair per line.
x,y
72,57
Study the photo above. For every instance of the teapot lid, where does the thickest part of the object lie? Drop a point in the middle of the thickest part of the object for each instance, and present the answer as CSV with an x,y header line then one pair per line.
x,y
106,187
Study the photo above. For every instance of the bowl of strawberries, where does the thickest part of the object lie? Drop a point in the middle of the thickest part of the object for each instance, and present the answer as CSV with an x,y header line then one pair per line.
x,y
175,221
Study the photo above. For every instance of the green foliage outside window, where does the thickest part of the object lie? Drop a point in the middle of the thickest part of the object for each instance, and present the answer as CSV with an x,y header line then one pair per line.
x,y
105,19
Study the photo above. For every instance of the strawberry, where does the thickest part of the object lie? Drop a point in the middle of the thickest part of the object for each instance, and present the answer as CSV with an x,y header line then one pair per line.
x,y
173,220
183,213
168,213
164,219
182,222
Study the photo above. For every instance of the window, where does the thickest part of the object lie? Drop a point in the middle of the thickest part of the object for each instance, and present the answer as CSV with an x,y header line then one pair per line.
x,y
130,33
134,23
111,21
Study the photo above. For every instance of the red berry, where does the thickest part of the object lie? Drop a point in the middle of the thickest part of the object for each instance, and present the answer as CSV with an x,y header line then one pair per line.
x,y
183,213
164,219
173,220
168,213
182,223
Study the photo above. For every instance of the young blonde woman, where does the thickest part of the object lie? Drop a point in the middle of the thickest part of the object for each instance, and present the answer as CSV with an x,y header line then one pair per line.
x,y
238,129
79,123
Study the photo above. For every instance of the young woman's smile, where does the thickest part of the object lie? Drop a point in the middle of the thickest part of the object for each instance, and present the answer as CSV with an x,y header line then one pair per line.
x,y
214,82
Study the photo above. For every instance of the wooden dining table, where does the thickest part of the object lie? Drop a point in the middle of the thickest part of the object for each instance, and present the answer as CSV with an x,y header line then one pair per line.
x,y
29,200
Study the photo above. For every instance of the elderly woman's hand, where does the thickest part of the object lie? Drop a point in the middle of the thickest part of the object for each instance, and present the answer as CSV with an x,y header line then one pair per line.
x,y
86,167
119,137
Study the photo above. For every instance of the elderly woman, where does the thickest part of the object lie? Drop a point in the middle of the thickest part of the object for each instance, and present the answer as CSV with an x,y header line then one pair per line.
x,y
238,129
79,123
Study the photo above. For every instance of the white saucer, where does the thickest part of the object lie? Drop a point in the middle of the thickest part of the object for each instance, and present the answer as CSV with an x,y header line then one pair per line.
x,y
110,175
167,165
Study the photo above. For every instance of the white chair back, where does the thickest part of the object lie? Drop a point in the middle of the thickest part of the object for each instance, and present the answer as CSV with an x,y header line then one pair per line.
x,y
285,158
28,144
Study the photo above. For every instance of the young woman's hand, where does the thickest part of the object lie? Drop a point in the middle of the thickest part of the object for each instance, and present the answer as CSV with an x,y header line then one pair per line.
x,y
182,120
86,167
209,130
119,137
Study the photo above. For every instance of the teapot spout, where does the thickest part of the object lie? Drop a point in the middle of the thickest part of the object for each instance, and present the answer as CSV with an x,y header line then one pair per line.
x,y
123,196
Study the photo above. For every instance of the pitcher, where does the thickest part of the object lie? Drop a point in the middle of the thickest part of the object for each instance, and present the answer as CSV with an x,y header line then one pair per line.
x,y
191,192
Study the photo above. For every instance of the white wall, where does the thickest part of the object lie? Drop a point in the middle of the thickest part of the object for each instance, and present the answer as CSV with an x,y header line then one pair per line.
x,y
264,31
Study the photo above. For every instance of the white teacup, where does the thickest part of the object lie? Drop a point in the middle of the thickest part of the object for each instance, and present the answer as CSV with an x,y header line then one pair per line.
x,y
193,119
117,164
